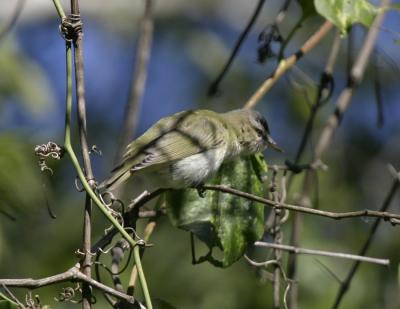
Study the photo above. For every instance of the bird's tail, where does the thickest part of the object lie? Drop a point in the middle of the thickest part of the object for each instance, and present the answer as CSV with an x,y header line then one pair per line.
x,y
119,175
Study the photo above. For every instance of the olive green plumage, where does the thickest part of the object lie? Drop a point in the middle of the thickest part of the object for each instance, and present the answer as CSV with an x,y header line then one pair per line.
x,y
186,148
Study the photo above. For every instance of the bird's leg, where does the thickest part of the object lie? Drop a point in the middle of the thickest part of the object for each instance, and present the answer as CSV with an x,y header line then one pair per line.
x,y
200,190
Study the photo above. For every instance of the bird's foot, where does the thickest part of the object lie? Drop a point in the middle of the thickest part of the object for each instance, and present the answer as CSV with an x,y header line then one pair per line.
x,y
201,191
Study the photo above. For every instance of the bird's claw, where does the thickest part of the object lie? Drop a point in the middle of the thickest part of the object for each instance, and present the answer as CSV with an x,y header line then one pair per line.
x,y
201,191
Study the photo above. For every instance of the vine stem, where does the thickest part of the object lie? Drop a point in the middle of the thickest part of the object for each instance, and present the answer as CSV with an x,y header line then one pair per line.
x,y
69,149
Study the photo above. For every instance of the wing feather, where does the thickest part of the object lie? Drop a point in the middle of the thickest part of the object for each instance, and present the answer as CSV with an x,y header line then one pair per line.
x,y
170,140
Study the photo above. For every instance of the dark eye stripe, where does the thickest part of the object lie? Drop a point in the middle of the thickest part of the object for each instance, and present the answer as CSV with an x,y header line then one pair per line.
x,y
260,132
264,124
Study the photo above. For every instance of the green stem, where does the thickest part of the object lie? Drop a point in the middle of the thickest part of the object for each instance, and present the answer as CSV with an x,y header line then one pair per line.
x,y
75,162
4,297
142,278
74,159
59,8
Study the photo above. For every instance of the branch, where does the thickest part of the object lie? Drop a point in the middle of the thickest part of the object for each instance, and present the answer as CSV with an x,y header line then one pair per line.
x,y
213,89
325,87
297,250
131,114
81,102
287,63
71,275
355,78
344,286
324,84
392,218
75,162
148,230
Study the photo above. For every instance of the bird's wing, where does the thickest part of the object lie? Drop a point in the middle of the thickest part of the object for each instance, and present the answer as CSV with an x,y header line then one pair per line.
x,y
169,141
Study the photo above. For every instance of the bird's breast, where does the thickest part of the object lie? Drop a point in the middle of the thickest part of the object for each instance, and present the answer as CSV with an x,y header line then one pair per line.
x,y
195,169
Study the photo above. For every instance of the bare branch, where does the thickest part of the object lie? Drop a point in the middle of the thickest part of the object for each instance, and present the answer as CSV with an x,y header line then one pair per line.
x,y
213,89
287,63
81,109
344,286
72,275
131,114
392,218
297,250
355,78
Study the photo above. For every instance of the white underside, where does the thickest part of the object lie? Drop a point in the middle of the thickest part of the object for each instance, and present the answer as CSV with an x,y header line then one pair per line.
x,y
190,171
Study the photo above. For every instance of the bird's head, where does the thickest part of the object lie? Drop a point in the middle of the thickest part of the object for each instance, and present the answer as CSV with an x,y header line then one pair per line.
x,y
261,131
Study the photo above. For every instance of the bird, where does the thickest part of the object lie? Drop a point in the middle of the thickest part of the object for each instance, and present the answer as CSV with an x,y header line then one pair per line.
x,y
185,149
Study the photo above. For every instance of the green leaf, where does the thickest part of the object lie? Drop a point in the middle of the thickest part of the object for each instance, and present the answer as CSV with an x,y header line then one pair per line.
x,y
222,220
344,13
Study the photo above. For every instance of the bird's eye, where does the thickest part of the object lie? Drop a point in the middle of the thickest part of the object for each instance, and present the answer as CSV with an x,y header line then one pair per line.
x,y
260,132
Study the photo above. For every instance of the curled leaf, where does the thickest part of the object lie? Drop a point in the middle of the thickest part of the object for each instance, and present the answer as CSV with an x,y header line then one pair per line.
x,y
222,220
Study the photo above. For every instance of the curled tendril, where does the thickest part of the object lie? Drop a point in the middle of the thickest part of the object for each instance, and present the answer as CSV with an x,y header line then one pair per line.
x,y
78,185
94,149
103,198
68,295
49,150
79,253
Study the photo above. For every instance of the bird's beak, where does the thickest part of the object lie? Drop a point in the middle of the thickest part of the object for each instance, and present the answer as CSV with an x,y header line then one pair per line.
x,y
273,144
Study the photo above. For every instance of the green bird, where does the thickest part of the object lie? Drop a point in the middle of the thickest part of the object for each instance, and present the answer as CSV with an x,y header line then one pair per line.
x,y
185,149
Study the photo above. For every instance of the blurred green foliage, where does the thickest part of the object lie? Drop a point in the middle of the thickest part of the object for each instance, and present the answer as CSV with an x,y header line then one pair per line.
x,y
23,80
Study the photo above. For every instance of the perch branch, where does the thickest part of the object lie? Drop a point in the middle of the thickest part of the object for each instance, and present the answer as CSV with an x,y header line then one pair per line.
x,y
392,218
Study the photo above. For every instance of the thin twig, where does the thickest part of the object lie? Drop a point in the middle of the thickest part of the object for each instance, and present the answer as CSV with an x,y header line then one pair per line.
x,y
392,218
117,255
81,110
324,86
213,89
14,299
277,234
297,250
148,231
355,78
71,275
287,63
81,175
132,109
147,214
344,286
